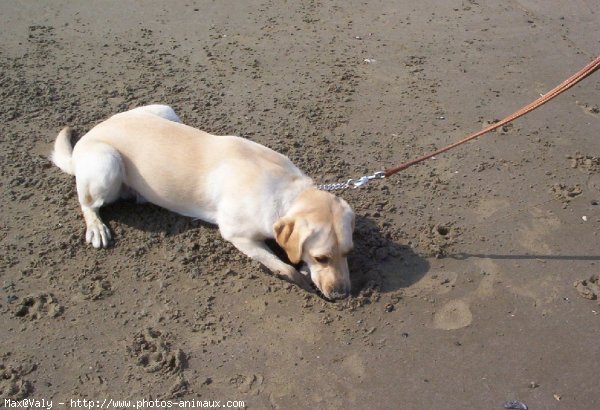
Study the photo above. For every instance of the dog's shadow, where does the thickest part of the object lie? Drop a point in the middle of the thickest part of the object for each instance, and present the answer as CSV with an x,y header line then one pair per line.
x,y
380,262
148,217
377,261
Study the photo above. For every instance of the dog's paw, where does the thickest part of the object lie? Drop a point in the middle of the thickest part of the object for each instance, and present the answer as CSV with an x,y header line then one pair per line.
x,y
304,270
298,278
97,235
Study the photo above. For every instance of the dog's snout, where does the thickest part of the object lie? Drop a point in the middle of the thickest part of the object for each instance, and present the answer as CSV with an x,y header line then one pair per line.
x,y
339,293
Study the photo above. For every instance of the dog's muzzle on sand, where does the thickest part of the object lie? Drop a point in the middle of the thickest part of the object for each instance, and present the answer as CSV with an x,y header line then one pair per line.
x,y
250,191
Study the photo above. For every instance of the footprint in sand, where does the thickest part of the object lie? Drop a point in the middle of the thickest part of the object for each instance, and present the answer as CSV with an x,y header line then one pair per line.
x,y
455,314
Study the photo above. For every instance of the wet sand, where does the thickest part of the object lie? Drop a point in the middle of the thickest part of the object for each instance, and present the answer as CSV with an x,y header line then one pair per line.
x,y
467,269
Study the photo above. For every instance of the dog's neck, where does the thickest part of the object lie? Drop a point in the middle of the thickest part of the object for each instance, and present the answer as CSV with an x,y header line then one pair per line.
x,y
290,194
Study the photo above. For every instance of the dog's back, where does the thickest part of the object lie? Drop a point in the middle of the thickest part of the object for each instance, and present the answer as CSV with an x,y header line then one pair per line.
x,y
163,111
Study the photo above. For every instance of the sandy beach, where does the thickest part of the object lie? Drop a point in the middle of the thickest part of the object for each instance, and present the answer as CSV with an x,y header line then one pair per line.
x,y
473,273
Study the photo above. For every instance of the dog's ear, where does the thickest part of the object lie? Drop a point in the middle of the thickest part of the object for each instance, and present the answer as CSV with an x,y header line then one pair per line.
x,y
288,234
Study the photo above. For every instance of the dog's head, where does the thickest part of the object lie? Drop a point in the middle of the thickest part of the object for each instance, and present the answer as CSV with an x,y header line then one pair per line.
x,y
317,230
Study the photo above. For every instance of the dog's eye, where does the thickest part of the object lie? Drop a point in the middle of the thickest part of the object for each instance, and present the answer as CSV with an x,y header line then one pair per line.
x,y
322,259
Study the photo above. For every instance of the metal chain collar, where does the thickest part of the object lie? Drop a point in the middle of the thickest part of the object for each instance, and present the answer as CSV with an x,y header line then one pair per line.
x,y
351,183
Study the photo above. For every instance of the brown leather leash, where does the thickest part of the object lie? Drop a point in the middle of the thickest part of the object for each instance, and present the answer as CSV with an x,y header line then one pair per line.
x,y
565,85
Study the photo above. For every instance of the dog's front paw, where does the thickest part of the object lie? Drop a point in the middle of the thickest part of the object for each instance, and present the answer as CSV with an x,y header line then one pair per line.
x,y
97,235
304,270
298,278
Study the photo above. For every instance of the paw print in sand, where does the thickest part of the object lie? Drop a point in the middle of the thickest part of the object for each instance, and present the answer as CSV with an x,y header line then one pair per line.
x,y
589,288
153,352
12,383
35,307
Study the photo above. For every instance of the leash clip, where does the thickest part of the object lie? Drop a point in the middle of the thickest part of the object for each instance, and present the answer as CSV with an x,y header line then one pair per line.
x,y
364,180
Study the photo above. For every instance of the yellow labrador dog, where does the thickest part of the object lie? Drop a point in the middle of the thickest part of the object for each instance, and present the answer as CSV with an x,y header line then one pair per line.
x,y
250,191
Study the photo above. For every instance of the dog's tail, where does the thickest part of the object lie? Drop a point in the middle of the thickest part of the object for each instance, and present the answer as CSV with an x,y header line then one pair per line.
x,y
63,151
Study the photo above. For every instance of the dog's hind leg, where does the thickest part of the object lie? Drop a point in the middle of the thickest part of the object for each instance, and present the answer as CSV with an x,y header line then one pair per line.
x,y
99,173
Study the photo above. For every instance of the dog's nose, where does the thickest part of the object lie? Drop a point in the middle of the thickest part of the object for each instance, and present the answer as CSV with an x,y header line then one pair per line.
x,y
339,293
